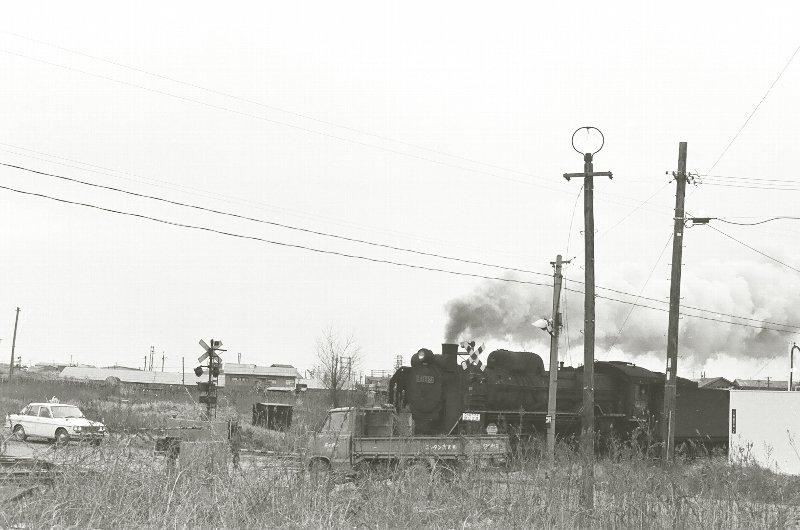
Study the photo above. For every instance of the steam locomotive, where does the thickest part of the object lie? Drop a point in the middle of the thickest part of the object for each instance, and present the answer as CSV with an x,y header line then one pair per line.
x,y
454,393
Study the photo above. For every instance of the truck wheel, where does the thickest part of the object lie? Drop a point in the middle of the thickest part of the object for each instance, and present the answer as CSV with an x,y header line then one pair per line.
x,y
319,470
62,438
19,433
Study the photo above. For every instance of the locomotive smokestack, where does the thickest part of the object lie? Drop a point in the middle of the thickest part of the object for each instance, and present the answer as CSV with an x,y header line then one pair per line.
x,y
451,349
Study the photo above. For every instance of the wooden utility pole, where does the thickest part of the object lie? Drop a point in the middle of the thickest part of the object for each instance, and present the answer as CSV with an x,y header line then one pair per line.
x,y
553,389
13,346
791,365
183,371
587,425
668,418
162,361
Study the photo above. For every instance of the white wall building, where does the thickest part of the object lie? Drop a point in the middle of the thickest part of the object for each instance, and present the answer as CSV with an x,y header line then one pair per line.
x,y
764,427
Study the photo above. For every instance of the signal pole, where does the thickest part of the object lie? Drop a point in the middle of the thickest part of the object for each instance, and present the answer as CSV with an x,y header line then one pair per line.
x,y
668,418
13,346
587,425
552,393
791,364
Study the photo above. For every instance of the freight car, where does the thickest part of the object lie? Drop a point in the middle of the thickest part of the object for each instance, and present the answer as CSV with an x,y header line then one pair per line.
x,y
509,396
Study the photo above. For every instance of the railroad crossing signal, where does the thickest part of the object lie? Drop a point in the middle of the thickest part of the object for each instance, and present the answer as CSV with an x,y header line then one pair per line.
x,y
208,389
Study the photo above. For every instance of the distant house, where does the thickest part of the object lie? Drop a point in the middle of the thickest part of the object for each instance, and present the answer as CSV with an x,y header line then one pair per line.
x,y
134,377
378,382
762,384
715,382
274,377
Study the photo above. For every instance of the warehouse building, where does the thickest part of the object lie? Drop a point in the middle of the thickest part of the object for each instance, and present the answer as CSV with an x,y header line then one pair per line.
x,y
275,377
114,376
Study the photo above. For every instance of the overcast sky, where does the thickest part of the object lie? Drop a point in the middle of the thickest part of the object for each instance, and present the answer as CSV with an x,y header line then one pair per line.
x,y
438,128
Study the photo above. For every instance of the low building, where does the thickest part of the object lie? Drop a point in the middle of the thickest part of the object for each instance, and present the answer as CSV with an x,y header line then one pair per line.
x,y
274,377
763,384
715,382
135,377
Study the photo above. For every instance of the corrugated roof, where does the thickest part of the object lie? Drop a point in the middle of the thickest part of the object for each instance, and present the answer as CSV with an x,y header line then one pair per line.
x,y
767,384
708,381
254,369
134,376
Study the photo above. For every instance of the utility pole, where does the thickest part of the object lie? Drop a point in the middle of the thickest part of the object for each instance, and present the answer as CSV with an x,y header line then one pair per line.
x,y
145,363
551,397
791,364
183,371
162,361
668,418
587,425
13,346
152,350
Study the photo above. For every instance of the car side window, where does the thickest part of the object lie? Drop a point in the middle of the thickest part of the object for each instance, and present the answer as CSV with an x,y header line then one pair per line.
x,y
32,410
44,412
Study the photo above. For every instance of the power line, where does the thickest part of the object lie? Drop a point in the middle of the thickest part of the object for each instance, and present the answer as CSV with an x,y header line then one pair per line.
x,y
337,236
725,177
200,192
268,241
776,260
285,124
644,286
744,186
272,223
735,136
356,256
325,134
272,107
780,217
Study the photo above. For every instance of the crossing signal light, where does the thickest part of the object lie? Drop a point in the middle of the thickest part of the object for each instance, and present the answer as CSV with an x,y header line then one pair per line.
x,y
215,370
198,371
216,344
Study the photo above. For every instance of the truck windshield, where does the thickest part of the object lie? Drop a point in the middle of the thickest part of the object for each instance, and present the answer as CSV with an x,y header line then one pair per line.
x,y
335,422
66,411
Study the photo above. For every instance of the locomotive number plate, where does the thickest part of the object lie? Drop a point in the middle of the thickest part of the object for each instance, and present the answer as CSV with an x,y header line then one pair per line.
x,y
425,379
470,416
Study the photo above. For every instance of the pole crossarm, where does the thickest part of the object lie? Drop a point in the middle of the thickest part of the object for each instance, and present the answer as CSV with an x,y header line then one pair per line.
x,y
608,174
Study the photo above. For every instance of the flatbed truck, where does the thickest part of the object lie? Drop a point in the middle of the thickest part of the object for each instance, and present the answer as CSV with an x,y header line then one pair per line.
x,y
355,438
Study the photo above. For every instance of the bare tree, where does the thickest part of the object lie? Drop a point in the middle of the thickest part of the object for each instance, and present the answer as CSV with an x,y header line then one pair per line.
x,y
338,359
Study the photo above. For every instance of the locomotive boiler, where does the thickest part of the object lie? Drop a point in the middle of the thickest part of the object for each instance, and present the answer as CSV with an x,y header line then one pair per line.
x,y
449,393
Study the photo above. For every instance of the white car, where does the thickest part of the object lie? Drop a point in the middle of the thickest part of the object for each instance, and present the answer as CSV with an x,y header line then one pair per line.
x,y
54,421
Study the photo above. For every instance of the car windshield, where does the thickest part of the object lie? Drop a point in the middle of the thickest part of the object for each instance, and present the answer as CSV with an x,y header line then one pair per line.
x,y
66,411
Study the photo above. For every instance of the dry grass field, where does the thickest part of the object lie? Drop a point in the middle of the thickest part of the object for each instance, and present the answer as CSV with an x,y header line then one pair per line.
x,y
121,484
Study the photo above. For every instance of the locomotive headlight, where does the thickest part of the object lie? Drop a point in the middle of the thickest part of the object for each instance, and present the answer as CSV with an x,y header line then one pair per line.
x,y
491,429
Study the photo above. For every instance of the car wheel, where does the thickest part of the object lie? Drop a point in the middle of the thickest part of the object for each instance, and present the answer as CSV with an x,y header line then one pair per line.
x,y
19,433
62,438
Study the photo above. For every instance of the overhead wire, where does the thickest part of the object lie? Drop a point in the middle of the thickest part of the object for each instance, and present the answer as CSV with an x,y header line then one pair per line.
x,y
345,238
777,218
641,291
604,196
750,116
270,107
264,240
200,192
352,256
776,260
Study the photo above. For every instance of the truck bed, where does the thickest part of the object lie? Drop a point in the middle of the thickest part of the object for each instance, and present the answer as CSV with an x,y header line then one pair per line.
x,y
443,447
